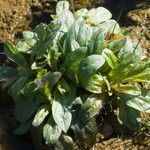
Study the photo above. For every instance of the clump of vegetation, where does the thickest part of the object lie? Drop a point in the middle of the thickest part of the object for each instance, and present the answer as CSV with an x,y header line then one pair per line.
x,y
68,70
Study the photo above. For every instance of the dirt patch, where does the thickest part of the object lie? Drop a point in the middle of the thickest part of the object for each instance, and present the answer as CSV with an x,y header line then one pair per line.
x,y
123,144
19,15
139,20
14,17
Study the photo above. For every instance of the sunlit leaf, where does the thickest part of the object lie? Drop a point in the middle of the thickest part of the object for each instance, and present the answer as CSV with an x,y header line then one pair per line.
x,y
12,53
127,89
89,66
72,61
98,15
110,26
61,116
81,13
141,103
110,58
41,114
51,78
61,6
91,107
95,84
143,76
117,45
51,132
95,45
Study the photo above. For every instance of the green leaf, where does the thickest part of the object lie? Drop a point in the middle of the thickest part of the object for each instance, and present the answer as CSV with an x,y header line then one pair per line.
x,y
143,76
81,13
86,135
140,103
90,108
130,49
51,132
42,31
127,115
66,18
61,116
63,86
51,78
82,37
127,31
129,58
95,45
18,85
74,45
66,99
127,89
7,73
28,89
110,58
23,128
27,43
12,53
46,35
38,65
72,61
65,143
25,108
110,26
61,6
117,45
22,46
41,73
89,66
74,33
27,35
98,15
95,84
41,114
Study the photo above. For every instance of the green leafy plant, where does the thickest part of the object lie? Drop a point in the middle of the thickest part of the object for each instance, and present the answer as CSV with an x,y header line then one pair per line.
x,y
69,69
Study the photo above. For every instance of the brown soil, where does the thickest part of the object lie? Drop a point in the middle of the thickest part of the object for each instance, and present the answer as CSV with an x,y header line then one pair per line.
x,y
14,16
123,144
139,20
19,15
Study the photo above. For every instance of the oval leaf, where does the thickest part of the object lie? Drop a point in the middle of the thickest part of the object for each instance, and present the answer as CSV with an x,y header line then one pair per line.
x,y
110,26
110,58
51,132
141,103
91,107
72,61
89,66
95,84
61,116
61,6
25,108
98,15
96,43
41,114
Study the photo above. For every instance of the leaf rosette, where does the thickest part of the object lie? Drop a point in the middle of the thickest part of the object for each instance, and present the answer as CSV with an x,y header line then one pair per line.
x,y
69,69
